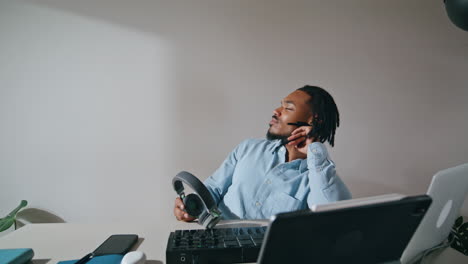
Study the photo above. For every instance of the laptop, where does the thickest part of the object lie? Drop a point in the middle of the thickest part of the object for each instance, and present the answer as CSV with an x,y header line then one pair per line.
x,y
448,190
369,230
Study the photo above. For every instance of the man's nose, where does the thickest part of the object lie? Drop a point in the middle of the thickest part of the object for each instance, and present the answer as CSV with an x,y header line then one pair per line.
x,y
277,111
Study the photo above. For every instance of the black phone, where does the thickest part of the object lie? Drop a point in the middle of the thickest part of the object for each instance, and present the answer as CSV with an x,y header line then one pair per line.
x,y
116,244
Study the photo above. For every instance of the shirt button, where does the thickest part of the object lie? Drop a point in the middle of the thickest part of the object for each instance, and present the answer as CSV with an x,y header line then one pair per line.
x,y
268,182
258,204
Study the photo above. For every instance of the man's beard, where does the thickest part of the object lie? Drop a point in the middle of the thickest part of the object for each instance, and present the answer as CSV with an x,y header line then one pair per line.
x,y
271,136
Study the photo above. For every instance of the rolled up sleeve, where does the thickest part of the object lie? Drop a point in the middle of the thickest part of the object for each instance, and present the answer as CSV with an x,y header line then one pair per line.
x,y
324,183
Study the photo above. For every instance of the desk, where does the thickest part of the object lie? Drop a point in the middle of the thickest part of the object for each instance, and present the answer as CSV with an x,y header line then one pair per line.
x,y
56,242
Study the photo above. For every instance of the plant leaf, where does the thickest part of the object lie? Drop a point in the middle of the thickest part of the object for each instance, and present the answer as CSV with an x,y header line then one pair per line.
x,y
22,204
458,222
6,223
458,246
460,243
9,220
463,230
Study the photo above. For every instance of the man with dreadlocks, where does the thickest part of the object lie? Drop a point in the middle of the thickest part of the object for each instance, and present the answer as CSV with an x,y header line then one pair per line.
x,y
290,170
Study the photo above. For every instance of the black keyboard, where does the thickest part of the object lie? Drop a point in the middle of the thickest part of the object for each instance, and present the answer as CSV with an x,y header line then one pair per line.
x,y
219,245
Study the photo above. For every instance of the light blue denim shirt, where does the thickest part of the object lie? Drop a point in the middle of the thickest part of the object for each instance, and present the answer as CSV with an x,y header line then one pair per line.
x,y
255,182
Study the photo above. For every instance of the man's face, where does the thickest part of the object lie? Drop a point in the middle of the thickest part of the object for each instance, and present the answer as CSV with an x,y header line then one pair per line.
x,y
294,108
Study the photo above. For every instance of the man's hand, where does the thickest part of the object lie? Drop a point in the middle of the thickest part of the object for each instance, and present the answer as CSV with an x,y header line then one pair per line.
x,y
300,140
179,212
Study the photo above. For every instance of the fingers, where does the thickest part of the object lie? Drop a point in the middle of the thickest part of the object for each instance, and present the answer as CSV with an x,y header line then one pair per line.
x,y
297,135
302,129
296,141
178,209
180,213
179,203
297,138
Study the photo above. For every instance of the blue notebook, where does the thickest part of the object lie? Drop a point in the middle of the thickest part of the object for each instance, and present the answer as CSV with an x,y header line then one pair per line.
x,y
107,259
16,255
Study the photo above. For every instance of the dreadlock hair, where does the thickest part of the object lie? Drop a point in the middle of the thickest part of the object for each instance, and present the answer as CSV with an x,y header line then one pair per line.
x,y
326,117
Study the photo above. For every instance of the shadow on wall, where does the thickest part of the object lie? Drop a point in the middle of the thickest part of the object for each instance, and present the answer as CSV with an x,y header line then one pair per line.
x,y
35,215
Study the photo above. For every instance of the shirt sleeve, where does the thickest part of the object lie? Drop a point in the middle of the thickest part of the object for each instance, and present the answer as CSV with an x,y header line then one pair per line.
x,y
219,182
325,185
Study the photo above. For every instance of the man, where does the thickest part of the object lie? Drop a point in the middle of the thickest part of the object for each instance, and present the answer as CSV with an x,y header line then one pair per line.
x,y
290,170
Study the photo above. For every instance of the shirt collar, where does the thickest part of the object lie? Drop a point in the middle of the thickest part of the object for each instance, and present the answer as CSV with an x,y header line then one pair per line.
x,y
277,146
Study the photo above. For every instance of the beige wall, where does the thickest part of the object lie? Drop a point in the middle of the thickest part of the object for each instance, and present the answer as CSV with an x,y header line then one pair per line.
x,y
103,102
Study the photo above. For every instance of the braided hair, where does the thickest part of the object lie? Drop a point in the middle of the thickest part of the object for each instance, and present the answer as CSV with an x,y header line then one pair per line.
x,y
326,117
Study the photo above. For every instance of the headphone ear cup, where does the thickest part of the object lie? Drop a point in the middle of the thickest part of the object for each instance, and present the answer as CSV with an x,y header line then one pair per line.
x,y
193,205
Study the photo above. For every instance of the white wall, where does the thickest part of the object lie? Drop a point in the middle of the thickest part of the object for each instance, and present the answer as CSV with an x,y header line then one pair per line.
x,y
103,102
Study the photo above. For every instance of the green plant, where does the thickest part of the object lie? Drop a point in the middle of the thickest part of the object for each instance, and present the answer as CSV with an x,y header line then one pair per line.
x,y
10,219
459,236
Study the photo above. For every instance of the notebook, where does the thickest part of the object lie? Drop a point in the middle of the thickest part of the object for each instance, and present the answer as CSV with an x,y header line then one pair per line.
x,y
448,190
16,255
369,230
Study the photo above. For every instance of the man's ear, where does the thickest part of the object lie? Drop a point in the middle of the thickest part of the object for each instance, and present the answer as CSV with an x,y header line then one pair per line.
x,y
314,117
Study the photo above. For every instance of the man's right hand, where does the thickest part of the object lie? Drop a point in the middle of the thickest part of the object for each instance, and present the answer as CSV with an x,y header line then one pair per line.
x,y
179,212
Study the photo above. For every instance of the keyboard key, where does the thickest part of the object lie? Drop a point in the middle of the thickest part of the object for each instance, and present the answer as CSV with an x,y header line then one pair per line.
x,y
245,242
258,241
231,243
243,237
230,237
257,236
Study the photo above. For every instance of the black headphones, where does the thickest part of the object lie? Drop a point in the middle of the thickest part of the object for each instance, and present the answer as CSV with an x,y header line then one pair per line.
x,y
199,204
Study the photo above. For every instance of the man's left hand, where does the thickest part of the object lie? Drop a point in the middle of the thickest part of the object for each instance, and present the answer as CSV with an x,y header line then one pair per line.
x,y
300,140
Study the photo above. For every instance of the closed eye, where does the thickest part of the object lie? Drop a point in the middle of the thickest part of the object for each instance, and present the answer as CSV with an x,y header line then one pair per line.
x,y
288,105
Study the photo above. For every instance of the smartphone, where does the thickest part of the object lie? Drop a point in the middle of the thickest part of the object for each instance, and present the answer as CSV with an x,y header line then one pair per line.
x,y
116,244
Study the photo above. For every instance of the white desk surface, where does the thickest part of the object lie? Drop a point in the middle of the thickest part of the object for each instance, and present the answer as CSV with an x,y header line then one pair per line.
x,y
56,242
